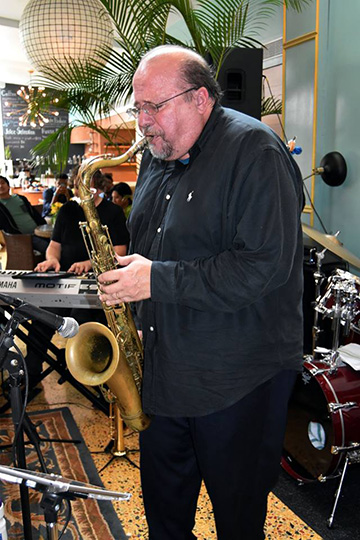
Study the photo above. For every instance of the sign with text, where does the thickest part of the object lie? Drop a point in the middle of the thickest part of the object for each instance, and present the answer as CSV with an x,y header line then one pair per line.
x,y
21,139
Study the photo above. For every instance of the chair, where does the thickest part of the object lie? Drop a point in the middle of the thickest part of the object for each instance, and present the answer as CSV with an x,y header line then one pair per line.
x,y
2,251
20,254
38,208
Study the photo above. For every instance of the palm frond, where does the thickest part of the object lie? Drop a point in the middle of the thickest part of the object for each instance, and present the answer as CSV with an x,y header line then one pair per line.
x,y
297,5
271,105
55,147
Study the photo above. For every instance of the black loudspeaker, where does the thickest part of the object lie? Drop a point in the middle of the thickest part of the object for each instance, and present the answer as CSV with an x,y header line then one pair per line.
x,y
240,79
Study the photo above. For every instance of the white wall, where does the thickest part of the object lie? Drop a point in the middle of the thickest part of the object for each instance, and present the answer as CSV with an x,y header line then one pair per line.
x,y
335,114
338,116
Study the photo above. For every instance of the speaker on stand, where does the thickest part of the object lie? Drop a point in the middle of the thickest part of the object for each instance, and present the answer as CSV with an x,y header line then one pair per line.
x,y
240,79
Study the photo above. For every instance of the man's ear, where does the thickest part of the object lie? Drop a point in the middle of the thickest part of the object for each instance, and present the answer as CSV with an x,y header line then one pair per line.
x,y
202,99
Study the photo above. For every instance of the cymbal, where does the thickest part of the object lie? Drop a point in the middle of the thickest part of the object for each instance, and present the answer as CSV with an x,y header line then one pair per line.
x,y
332,243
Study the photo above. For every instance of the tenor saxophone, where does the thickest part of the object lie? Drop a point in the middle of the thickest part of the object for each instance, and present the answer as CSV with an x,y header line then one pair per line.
x,y
110,355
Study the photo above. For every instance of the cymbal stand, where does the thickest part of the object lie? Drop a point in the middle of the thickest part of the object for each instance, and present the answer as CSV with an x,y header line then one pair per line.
x,y
319,278
337,311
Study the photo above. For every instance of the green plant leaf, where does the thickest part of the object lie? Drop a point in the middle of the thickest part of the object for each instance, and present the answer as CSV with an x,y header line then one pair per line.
x,y
271,105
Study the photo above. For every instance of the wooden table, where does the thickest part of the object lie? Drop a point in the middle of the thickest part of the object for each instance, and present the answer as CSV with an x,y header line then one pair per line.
x,y
33,196
44,231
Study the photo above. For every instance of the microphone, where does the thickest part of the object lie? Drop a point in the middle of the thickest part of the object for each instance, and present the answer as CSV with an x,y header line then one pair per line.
x,y
66,326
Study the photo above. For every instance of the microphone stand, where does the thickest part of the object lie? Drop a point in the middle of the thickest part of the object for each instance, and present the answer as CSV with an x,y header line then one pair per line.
x,y
56,489
12,361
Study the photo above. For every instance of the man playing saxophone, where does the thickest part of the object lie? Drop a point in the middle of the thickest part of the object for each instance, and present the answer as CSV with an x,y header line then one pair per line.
x,y
216,274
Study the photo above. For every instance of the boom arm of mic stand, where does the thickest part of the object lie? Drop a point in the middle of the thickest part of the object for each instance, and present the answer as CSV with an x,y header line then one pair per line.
x,y
55,489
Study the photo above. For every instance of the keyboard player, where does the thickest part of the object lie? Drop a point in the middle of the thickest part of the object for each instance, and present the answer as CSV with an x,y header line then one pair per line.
x,y
67,252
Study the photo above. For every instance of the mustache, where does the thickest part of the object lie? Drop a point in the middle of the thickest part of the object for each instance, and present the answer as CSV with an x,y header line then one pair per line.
x,y
147,131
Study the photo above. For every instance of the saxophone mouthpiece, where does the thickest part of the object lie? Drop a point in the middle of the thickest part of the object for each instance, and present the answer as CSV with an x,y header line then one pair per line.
x,y
143,143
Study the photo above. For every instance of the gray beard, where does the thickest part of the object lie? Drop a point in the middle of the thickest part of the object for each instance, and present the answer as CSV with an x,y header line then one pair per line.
x,y
165,153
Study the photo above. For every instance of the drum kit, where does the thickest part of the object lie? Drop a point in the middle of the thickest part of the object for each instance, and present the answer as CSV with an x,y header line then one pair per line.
x,y
323,430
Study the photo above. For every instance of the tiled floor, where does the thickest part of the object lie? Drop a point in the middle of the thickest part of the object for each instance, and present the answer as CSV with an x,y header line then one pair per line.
x,y
121,475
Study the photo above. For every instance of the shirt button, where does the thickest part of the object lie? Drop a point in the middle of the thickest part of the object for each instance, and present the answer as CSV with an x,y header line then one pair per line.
x,y
159,230
168,197
151,328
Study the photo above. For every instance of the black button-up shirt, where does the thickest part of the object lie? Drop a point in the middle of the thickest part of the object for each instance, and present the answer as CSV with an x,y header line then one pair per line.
x,y
224,233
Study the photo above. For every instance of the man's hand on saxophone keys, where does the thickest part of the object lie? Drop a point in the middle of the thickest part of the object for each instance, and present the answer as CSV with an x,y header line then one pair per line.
x,y
130,283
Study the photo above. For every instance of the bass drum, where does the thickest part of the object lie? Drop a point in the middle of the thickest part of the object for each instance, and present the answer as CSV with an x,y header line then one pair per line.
x,y
312,429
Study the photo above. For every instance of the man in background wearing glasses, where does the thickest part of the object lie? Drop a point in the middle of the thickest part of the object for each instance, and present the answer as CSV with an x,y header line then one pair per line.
x,y
216,274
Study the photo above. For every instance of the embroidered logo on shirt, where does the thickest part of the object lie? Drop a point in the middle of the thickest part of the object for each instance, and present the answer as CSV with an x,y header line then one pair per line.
x,y
189,197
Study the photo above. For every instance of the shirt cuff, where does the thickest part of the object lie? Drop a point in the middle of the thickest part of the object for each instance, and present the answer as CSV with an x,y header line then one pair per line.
x,y
163,277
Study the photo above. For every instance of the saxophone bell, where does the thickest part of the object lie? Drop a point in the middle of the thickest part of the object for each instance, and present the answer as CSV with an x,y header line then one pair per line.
x,y
94,358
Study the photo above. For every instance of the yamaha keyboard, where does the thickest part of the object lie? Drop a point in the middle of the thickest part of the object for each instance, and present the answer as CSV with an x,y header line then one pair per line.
x,y
51,290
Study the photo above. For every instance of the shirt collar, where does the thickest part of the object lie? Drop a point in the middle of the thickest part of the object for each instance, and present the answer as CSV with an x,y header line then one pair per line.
x,y
201,142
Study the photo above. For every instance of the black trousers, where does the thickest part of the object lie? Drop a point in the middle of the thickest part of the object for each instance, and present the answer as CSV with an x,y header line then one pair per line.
x,y
236,452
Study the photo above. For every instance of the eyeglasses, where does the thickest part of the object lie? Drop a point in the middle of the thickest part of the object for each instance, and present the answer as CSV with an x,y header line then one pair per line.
x,y
153,108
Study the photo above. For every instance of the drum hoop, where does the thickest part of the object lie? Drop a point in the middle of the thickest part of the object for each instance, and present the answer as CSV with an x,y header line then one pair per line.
x,y
330,394
337,415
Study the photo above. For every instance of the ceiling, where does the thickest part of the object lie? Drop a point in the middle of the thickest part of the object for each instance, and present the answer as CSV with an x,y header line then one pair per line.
x,y
14,67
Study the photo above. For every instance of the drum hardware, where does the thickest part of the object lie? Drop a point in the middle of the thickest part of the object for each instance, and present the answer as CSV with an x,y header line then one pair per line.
x,y
316,371
335,407
341,303
322,479
330,521
332,243
351,448
319,278
323,424
352,455
321,350
324,412
356,327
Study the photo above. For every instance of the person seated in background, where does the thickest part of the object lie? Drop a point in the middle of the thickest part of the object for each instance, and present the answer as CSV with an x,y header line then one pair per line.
x,y
108,185
122,196
26,177
67,252
58,193
73,174
17,216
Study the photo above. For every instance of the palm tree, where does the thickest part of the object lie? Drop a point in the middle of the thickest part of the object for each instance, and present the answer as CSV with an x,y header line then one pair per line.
x,y
90,92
